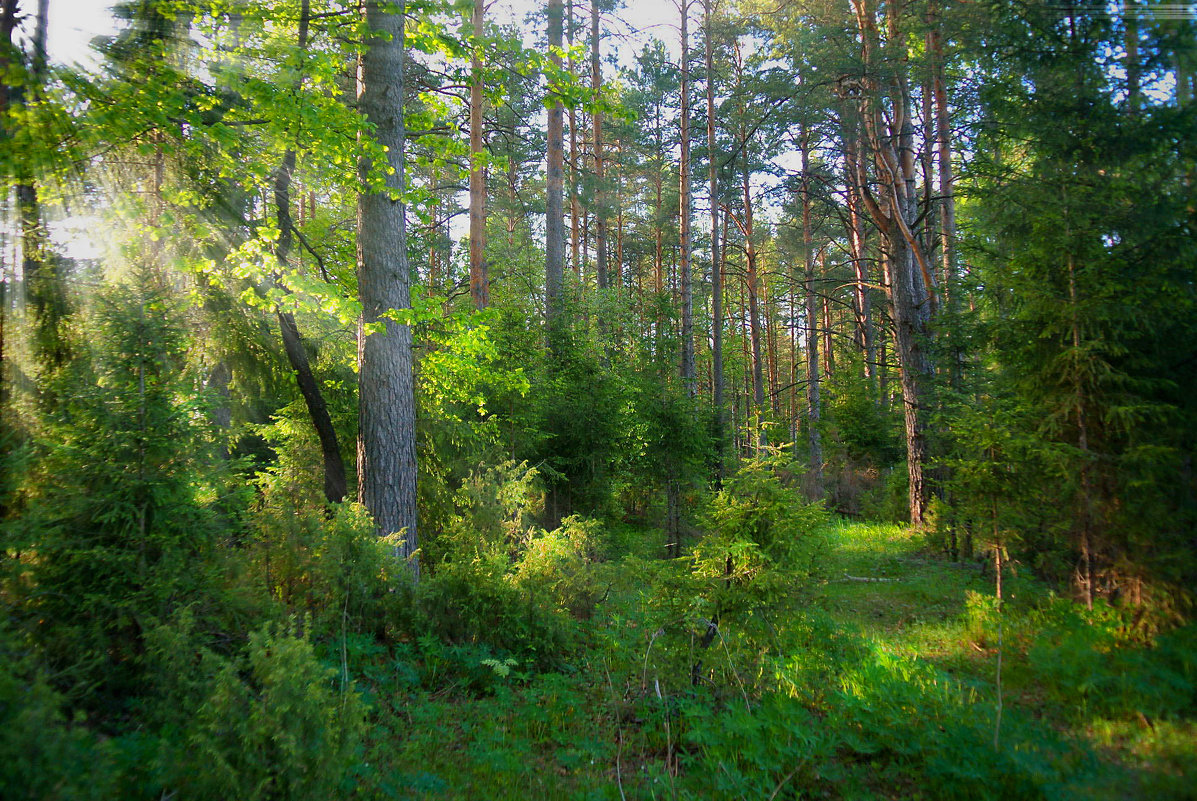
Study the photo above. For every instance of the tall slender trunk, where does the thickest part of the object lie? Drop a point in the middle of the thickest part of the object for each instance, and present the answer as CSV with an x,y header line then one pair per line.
x,y
943,144
575,207
911,283
386,447
335,485
688,368
1134,69
772,335
826,328
554,210
717,379
752,282
44,294
814,413
479,280
862,305
600,199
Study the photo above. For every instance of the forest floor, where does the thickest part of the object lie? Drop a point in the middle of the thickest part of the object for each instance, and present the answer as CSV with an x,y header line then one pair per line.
x,y
873,676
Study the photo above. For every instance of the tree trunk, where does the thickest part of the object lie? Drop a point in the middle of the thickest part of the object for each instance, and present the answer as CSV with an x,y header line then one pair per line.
x,y
717,380
752,283
689,378
386,446
862,305
554,210
45,297
600,201
335,485
814,413
575,210
479,280
911,283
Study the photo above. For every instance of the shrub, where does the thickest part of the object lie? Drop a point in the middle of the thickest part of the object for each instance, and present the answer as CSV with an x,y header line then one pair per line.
x,y
272,726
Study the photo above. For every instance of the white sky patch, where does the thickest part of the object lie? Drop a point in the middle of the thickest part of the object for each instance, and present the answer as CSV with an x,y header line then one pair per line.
x,y
75,236
73,26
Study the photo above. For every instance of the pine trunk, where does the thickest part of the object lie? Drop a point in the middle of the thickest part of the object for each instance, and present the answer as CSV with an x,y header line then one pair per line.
x,y
386,447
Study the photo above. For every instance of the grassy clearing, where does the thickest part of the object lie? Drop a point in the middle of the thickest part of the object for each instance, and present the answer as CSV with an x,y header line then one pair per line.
x,y
822,686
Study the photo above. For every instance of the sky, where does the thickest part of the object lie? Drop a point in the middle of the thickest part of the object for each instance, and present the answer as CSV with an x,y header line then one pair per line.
x,y
74,23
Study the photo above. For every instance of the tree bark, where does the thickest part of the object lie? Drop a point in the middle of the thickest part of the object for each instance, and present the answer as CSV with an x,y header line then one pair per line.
x,y
717,379
554,201
386,447
479,280
335,485
865,338
575,210
814,413
689,378
600,200
752,282
911,283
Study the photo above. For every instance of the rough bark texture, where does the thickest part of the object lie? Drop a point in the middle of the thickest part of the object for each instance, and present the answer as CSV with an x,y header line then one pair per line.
x,y
386,447
479,280
554,270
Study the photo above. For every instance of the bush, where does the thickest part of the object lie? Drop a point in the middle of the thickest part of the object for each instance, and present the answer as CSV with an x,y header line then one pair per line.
x,y
272,725
43,757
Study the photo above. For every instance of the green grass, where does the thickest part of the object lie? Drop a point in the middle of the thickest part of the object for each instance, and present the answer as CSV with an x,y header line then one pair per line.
x,y
822,686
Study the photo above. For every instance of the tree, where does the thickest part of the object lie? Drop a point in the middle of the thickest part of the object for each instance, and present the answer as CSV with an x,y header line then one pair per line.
x,y
554,209
688,368
479,279
386,447
335,485
885,114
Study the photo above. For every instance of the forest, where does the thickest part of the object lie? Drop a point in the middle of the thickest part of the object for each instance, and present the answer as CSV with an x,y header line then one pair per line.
x,y
452,399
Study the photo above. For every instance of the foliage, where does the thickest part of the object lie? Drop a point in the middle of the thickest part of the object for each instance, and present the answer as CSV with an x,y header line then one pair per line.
x,y
123,512
271,725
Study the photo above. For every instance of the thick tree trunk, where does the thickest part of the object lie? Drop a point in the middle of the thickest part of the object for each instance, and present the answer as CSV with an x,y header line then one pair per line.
x,y
689,378
386,447
554,201
479,280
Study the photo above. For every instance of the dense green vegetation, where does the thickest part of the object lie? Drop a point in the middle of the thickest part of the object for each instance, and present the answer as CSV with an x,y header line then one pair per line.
x,y
814,419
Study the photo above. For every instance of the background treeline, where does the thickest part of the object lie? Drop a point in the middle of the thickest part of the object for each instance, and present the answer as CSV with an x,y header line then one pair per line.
x,y
921,262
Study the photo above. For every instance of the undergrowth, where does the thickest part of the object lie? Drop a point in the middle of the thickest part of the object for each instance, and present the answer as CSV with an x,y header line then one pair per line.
x,y
786,654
